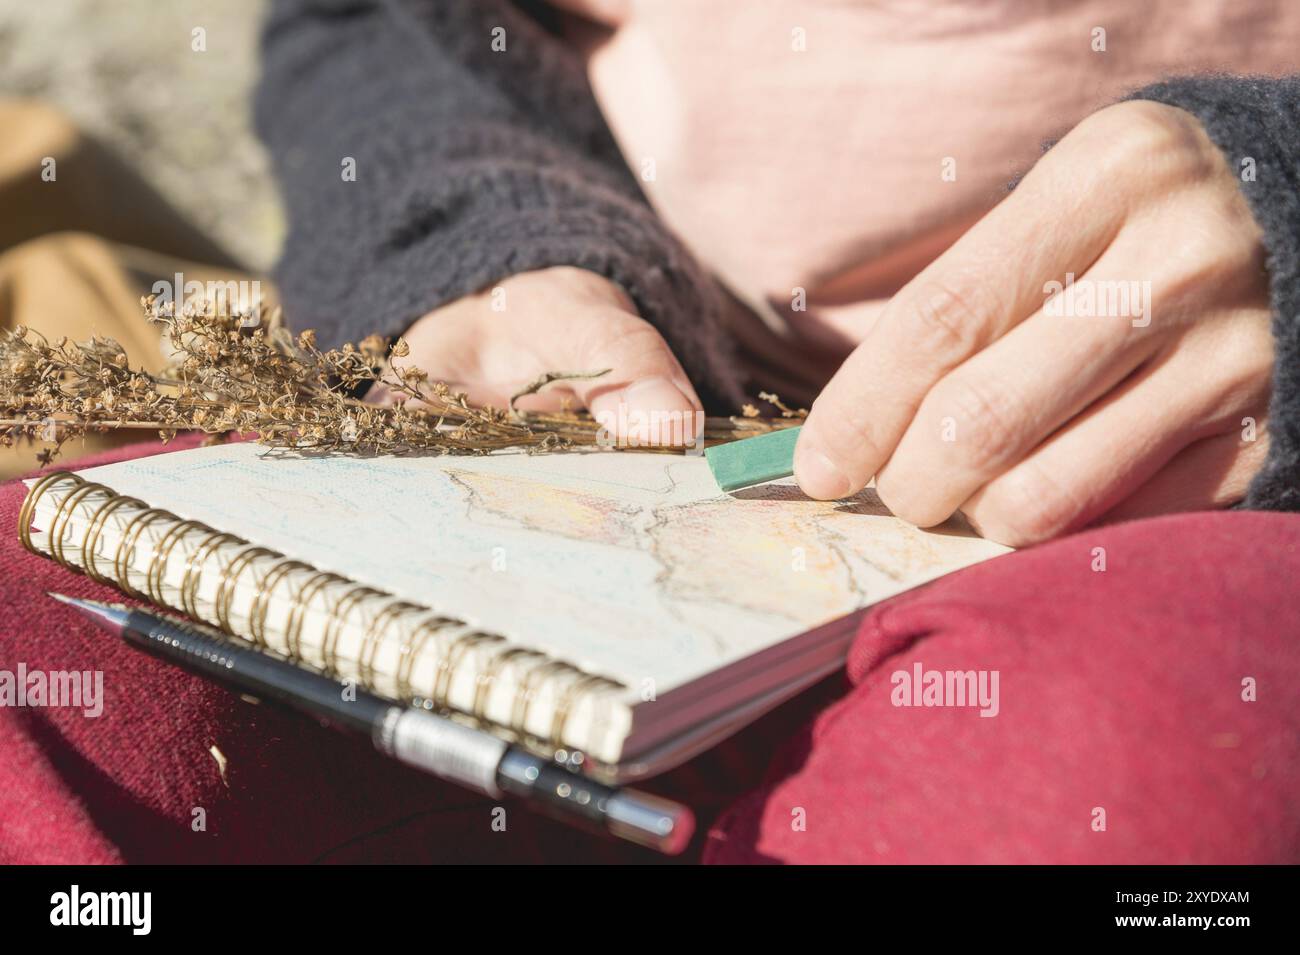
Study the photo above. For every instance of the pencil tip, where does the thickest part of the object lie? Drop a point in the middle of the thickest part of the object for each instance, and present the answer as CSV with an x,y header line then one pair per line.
x,y
112,616
77,602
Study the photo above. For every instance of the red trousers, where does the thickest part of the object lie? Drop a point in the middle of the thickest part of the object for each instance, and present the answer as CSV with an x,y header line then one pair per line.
x,y
1129,694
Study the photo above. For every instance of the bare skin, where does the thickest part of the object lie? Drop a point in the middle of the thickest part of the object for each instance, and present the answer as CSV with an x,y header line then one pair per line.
x,y
967,392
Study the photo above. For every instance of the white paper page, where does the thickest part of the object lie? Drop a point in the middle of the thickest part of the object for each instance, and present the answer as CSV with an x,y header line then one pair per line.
x,y
630,565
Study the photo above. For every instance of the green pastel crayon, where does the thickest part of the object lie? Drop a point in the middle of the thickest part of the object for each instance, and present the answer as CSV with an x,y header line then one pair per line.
x,y
751,461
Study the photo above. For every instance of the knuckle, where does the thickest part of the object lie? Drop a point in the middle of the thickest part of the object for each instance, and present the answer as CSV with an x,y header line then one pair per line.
x,y
1155,124
948,318
1203,257
1244,364
1166,142
1217,243
1254,360
980,421
1141,126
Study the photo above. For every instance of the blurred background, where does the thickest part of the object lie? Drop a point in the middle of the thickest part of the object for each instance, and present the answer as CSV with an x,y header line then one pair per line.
x,y
125,72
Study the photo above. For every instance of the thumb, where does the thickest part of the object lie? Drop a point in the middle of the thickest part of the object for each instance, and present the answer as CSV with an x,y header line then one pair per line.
x,y
561,321
645,398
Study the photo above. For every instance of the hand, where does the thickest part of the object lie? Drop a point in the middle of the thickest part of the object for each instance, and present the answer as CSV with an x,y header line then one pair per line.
x,y
492,344
978,389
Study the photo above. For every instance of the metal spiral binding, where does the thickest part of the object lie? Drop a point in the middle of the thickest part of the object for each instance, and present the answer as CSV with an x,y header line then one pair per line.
x,y
486,679
28,510
375,635
155,579
261,600
580,686
450,661
126,547
459,642
190,579
337,617
529,687
224,600
90,548
298,609
63,515
412,647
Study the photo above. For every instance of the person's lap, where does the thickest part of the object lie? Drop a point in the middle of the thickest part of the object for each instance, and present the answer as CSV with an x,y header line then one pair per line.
x,y
1119,692
1146,712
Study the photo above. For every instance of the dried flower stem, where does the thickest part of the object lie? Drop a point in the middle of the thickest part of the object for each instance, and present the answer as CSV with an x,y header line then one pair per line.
x,y
244,373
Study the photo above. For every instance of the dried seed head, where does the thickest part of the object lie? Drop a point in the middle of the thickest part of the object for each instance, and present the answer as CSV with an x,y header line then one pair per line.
x,y
224,377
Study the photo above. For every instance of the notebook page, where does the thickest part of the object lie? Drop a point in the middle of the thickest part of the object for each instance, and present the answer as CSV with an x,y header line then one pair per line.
x,y
629,565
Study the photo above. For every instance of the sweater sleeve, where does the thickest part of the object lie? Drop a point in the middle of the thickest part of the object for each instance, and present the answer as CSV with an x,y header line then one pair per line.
x,y
1256,123
426,149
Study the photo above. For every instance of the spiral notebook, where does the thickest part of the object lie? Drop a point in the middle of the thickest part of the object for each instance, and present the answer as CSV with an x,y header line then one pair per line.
x,y
610,603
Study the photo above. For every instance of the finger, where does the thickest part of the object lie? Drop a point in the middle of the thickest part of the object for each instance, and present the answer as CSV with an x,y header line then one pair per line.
x,y
571,320
1123,440
991,279
458,350
645,398
1212,473
993,409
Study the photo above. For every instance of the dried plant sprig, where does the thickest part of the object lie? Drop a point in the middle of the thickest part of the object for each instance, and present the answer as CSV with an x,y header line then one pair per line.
x,y
774,400
541,381
235,372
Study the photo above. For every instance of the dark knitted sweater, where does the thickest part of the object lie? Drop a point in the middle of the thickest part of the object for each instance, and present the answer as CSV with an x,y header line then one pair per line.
x,y
419,164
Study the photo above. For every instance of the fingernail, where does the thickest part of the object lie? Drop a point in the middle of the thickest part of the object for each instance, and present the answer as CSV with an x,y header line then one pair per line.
x,y
648,411
817,475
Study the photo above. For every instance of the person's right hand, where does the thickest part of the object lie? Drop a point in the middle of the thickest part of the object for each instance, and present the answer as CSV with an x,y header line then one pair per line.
x,y
494,343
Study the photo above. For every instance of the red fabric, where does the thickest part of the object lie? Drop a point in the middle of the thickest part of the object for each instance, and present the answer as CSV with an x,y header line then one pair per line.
x,y
1119,689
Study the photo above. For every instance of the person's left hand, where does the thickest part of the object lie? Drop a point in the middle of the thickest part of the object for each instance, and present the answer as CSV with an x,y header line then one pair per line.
x,y
1033,413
